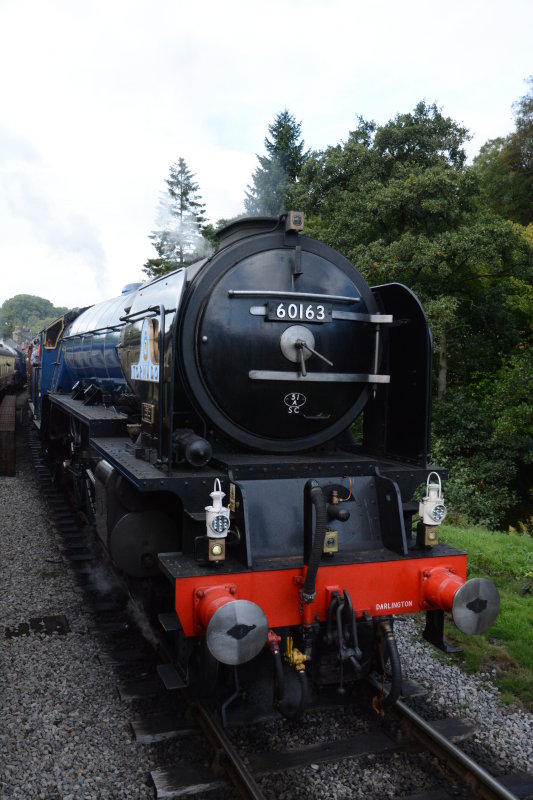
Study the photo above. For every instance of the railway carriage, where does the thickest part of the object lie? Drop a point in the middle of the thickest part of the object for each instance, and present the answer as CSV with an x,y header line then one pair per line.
x,y
12,369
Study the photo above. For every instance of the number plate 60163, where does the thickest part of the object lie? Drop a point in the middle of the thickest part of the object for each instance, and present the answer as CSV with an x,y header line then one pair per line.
x,y
298,311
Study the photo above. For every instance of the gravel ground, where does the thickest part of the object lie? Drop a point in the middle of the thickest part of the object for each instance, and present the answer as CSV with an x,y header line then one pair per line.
x,y
64,733
504,733
503,741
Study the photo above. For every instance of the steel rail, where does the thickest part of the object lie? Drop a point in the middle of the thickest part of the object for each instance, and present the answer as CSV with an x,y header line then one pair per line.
x,y
227,757
481,783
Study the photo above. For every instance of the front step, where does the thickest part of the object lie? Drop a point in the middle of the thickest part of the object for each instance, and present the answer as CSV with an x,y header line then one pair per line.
x,y
169,621
171,678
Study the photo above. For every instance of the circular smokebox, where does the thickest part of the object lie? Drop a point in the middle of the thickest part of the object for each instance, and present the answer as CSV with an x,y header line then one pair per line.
x,y
238,366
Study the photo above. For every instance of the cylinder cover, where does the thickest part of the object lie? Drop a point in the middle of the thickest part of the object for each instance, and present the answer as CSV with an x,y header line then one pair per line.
x,y
136,540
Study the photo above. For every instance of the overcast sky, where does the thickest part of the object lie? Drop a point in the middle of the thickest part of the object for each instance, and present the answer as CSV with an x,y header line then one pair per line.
x,y
98,98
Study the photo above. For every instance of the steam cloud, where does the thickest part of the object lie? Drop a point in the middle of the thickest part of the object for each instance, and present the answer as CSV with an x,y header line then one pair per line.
x,y
179,238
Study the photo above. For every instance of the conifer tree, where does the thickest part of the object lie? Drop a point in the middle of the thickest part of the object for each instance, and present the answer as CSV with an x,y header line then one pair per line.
x,y
179,238
278,169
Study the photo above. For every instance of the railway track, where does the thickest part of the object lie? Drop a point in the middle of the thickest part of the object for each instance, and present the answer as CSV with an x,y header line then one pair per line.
x,y
234,771
480,782
247,773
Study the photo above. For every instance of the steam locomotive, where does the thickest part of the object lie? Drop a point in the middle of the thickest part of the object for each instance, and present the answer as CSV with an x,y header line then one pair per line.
x,y
248,435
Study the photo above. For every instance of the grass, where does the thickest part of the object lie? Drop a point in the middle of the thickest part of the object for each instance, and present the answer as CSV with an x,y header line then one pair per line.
x,y
506,649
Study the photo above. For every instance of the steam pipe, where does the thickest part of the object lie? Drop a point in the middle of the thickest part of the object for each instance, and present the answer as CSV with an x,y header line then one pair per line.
x,y
390,649
291,712
319,502
279,680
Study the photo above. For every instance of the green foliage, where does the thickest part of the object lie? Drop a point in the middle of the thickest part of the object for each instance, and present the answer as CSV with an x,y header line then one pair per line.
x,y
505,166
278,169
212,232
509,401
180,238
505,650
494,419
401,203
506,558
484,434
423,137
463,440
28,311
527,233
390,185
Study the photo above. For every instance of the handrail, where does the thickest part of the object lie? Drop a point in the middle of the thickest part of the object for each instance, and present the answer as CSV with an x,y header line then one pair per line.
x,y
333,298
105,329
148,310
161,379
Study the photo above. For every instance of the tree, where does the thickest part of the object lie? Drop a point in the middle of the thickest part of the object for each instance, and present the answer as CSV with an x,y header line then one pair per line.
x,y
401,203
28,311
179,239
505,166
278,169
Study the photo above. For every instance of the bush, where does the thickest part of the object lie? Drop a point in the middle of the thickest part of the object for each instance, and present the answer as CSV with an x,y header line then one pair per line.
x,y
483,468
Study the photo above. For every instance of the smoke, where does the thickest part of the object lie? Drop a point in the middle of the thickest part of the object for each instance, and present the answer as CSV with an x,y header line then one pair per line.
x,y
104,581
179,237
142,622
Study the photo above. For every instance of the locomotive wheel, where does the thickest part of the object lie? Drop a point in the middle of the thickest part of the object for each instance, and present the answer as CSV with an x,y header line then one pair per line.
x,y
84,497
77,493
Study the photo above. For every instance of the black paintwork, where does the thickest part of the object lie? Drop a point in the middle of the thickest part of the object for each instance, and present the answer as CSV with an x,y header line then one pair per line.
x,y
221,342
211,340
397,422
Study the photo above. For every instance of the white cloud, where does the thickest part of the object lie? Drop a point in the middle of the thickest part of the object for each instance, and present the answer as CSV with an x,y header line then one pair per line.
x,y
102,97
